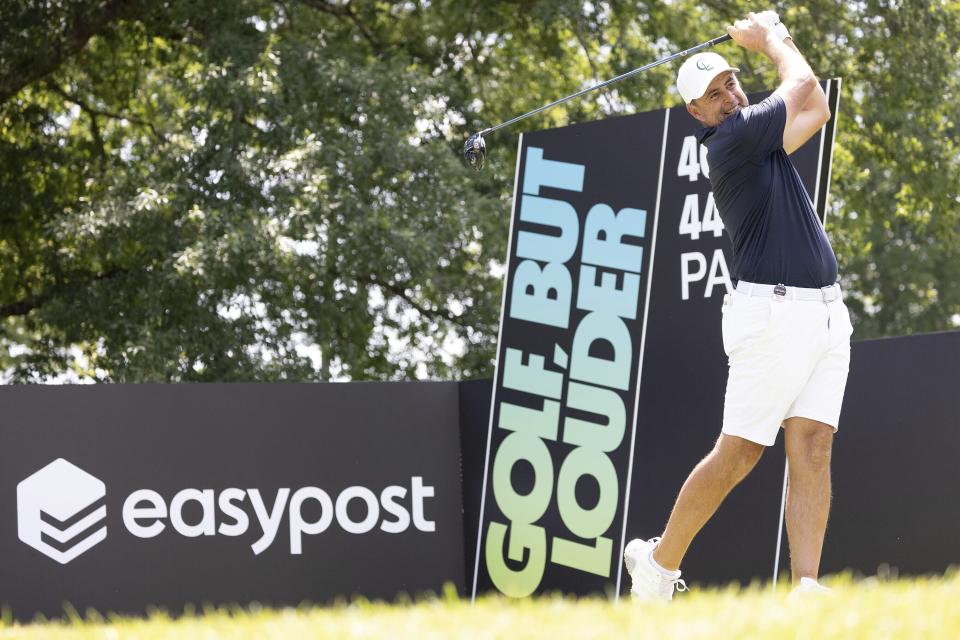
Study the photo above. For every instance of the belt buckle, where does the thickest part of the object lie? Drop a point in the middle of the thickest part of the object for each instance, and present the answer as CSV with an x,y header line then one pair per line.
x,y
779,293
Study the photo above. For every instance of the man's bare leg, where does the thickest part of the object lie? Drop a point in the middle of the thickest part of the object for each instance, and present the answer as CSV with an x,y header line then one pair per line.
x,y
731,459
808,444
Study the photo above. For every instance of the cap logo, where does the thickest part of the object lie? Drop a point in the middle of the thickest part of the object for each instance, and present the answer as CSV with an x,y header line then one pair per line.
x,y
703,65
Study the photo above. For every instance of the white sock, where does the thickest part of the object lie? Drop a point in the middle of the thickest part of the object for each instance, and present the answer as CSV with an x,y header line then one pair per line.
x,y
666,572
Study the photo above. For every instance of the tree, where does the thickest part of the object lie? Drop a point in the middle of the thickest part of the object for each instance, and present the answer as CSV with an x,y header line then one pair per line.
x,y
201,188
199,191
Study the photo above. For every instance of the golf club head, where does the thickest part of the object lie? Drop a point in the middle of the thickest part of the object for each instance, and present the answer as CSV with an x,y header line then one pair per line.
x,y
475,151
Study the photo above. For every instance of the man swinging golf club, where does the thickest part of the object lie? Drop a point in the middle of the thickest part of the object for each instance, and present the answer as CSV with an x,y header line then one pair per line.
x,y
785,328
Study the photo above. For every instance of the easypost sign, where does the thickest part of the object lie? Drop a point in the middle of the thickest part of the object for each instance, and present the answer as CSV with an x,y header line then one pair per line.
x,y
126,497
614,233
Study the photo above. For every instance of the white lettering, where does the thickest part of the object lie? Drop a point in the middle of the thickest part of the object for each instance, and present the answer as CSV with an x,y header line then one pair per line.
x,y
690,217
298,525
206,526
719,275
389,499
689,164
711,217
240,520
373,510
418,493
133,511
145,510
269,523
686,275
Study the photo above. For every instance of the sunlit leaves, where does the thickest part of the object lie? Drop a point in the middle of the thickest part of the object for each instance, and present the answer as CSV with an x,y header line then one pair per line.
x,y
257,190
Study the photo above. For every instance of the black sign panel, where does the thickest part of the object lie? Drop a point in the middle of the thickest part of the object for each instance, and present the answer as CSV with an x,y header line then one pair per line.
x,y
894,508
572,323
555,463
125,497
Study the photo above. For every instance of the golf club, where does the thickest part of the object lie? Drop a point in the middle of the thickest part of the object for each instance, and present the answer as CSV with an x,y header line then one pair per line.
x,y
475,149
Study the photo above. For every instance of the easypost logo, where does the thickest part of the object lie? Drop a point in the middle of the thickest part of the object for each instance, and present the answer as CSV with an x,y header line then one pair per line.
x,y
59,506
145,512
60,509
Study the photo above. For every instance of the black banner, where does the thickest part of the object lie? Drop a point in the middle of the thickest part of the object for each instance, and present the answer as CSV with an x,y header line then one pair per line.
x,y
572,324
894,509
638,293
130,496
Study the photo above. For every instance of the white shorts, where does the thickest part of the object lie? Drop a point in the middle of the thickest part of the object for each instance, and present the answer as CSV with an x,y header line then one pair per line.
x,y
787,356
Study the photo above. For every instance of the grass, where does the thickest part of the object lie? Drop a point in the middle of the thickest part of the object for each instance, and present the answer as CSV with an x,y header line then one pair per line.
x,y
874,609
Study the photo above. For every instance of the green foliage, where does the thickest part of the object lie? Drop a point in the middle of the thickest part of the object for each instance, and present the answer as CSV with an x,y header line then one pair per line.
x,y
199,191
864,609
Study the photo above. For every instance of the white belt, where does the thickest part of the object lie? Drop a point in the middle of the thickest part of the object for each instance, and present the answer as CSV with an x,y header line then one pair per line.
x,y
825,294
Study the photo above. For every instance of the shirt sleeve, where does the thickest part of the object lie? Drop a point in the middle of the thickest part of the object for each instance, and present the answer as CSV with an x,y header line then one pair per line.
x,y
760,130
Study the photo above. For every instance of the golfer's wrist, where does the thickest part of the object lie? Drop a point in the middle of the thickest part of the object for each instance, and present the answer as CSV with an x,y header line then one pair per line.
x,y
772,42
772,20
780,31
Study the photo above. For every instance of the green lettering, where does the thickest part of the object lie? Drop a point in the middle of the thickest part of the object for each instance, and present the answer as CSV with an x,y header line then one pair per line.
x,y
520,582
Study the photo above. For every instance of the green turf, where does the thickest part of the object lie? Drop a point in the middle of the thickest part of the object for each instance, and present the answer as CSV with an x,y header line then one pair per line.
x,y
867,609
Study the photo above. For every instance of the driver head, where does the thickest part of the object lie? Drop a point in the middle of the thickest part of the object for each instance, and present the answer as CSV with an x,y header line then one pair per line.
x,y
475,151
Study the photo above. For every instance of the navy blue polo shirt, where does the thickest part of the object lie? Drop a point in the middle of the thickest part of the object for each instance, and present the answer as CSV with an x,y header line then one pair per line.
x,y
777,237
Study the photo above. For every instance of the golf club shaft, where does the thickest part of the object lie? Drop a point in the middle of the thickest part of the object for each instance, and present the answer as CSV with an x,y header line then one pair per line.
x,y
681,54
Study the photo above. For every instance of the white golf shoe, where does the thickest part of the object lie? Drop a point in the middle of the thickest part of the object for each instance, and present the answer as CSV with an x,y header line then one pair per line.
x,y
650,582
809,587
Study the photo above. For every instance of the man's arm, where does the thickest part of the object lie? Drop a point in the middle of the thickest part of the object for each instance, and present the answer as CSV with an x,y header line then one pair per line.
x,y
806,103
812,116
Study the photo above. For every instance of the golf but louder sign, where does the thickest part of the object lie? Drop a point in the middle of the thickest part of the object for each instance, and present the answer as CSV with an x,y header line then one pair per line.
x,y
615,240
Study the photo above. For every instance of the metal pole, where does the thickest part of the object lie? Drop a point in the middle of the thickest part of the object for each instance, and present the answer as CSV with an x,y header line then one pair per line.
x,y
783,504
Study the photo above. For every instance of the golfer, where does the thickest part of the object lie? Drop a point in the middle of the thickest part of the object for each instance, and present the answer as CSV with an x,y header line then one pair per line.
x,y
786,330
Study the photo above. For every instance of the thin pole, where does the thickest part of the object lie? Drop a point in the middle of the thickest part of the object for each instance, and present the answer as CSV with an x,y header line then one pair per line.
x,y
783,504
703,45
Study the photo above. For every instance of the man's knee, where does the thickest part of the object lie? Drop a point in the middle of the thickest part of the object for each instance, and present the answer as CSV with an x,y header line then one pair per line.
x,y
815,455
810,449
737,455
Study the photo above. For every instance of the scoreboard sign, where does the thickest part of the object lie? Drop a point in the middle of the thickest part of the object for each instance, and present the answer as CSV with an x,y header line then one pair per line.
x,y
615,241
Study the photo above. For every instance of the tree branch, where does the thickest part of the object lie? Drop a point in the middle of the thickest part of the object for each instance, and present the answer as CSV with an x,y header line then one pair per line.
x,y
21,307
576,26
94,112
345,11
40,62
436,314
28,304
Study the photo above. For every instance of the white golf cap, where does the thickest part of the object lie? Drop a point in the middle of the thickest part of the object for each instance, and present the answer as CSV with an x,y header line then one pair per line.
x,y
697,72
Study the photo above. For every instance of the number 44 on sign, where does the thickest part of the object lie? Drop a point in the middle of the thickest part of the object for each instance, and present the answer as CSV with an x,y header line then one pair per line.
x,y
693,265
690,222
